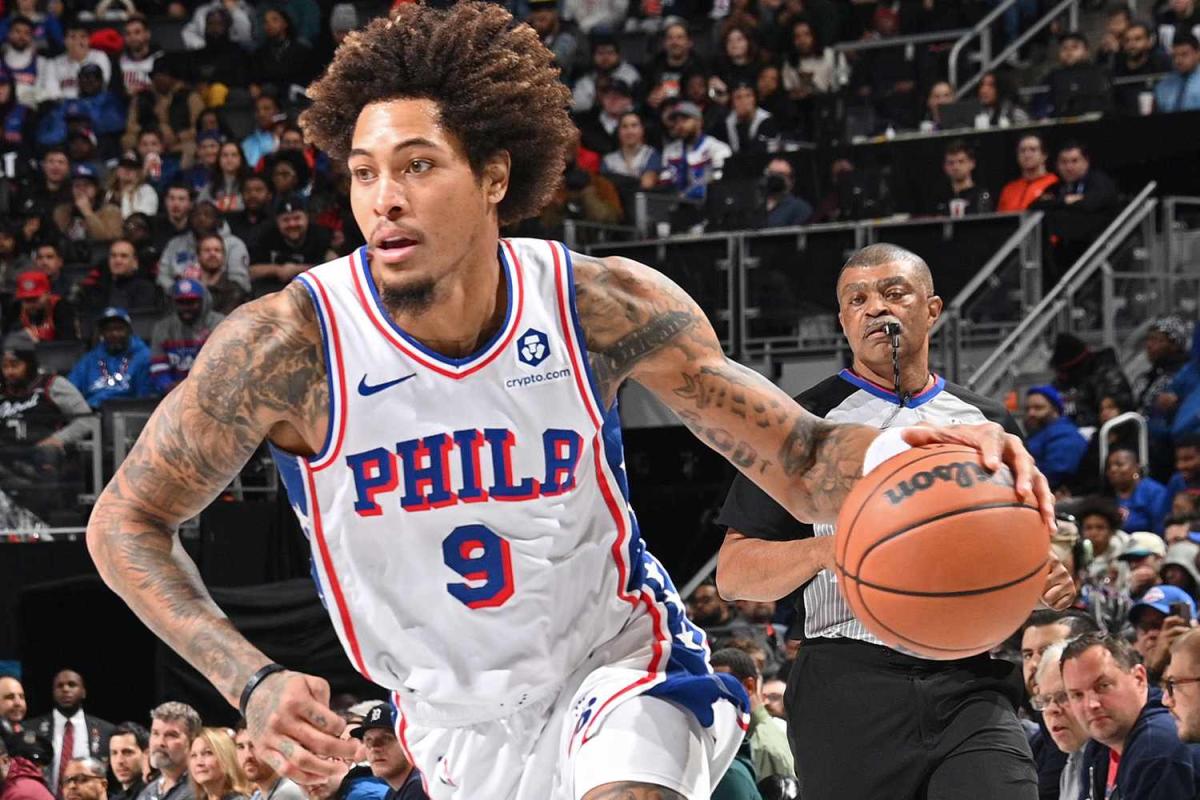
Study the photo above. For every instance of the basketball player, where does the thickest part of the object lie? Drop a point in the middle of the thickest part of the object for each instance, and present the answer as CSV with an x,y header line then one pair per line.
x,y
936,730
442,408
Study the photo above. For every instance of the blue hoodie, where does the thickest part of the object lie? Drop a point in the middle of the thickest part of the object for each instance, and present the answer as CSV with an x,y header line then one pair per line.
x,y
1187,387
133,366
1057,449
1155,765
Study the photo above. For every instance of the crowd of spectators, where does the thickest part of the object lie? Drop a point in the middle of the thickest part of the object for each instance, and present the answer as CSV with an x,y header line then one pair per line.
x,y
146,194
70,754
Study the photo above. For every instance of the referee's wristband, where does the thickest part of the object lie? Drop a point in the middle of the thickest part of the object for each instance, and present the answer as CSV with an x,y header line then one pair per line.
x,y
890,442
255,680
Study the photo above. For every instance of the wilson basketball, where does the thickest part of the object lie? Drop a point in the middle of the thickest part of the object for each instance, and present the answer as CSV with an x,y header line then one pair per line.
x,y
939,557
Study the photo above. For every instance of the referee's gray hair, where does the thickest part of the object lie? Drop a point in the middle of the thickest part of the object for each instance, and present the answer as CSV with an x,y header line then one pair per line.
x,y
1051,657
172,711
876,255
94,766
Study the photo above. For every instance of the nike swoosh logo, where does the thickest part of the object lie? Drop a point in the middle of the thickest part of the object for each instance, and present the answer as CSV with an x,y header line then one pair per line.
x,y
366,390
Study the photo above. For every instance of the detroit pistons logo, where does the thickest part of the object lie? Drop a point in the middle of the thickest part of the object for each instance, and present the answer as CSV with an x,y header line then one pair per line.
x,y
533,347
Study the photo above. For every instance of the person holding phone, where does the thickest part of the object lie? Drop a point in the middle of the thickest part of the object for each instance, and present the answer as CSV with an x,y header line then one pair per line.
x,y
1162,615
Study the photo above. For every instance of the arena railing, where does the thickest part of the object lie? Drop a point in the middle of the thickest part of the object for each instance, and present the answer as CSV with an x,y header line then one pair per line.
x,y
770,293
1024,250
982,31
1068,7
1117,421
1058,308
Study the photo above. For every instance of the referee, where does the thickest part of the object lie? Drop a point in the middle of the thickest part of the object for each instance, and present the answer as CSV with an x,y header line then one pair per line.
x,y
866,721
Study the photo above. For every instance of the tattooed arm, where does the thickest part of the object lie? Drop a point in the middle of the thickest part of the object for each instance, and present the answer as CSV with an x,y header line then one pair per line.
x,y
261,373
640,325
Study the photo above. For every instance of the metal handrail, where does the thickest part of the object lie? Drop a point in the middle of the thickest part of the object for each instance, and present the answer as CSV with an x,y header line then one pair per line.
x,y
899,41
982,29
1143,437
1066,5
952,318
1015,344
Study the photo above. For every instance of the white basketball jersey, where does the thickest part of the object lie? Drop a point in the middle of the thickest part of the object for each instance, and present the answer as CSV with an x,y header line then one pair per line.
x,y
468,517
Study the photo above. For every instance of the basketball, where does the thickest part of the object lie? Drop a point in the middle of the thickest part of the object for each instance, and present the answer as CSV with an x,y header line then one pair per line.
x,y
938,556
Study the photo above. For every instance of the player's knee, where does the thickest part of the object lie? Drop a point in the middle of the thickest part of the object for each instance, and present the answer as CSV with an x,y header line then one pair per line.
x,y
632,790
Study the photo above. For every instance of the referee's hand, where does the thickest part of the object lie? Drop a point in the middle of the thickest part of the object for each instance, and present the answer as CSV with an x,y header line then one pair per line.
x,y
996,447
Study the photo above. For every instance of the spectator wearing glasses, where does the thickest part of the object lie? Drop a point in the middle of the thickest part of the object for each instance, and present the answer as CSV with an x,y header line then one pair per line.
x,y
1181,686
1045,629
1109,691
1068,733
85,779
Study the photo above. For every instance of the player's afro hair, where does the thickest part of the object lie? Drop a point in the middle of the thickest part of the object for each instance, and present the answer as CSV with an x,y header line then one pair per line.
x,y
496,85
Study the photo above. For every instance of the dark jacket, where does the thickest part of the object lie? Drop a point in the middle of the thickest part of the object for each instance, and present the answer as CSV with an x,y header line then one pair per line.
x,y
99,731
24,782
1155,765
1093,379
1049,761
1080,89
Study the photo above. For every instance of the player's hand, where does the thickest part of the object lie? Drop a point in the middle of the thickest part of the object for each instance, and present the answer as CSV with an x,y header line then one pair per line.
x,y
1059,591
996,447
288,715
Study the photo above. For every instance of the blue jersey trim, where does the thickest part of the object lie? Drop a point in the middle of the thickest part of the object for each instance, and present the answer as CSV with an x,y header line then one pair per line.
x,y
689,679
436,356
579,337
330,367
290,475
916,400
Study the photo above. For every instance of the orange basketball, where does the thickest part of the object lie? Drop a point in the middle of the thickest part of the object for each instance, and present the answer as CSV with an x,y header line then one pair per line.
x,y
939,557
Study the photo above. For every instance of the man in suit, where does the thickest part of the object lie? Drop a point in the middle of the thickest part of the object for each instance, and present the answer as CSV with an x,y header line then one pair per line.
x,y
12,706
82,734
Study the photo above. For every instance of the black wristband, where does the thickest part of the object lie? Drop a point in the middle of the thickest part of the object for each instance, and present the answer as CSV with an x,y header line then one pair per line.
x,y
255,680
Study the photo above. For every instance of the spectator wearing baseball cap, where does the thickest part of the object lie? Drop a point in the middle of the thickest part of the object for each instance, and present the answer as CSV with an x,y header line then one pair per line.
x,y
292,246
1150,614
387,756
89,218
43,315
1143,558
129,190
118,367
1053,440
177,338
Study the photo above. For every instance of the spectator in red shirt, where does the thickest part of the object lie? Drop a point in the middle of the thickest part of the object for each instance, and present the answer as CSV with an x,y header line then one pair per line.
x,y
1035,179
45,316
20,779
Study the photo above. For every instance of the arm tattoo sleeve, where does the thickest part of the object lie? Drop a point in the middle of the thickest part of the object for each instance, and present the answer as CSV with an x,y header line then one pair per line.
x,y
640,325
262,366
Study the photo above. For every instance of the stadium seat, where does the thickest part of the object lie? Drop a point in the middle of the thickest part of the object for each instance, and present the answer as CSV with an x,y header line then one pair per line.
x,y
59,357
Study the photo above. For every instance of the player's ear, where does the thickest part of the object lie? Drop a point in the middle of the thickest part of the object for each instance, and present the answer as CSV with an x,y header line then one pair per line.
x,y
496,172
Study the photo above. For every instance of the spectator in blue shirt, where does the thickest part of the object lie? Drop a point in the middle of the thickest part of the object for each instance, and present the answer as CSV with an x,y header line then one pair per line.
x,y
1187,465
117,367
1054,441
1180,91
1144,502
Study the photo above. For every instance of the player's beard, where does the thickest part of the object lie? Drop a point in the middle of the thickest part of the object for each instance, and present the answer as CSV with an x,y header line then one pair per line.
x,y
415,298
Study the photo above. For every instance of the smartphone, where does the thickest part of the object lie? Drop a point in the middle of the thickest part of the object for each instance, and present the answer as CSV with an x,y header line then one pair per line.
x,y
1181,610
